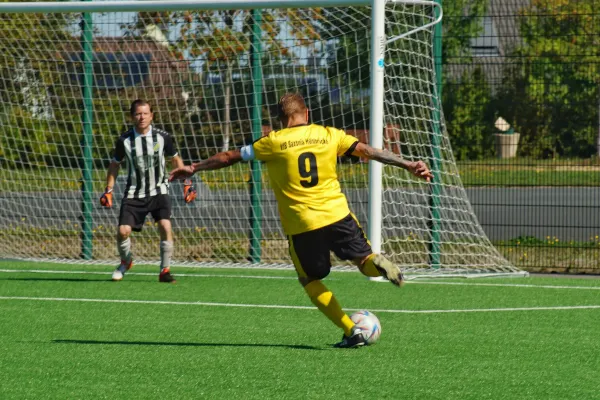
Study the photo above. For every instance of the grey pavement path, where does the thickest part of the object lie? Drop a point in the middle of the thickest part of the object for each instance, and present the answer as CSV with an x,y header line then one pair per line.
x,y
570,213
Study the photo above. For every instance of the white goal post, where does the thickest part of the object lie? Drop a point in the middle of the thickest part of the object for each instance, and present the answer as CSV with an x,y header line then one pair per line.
x,y
213,72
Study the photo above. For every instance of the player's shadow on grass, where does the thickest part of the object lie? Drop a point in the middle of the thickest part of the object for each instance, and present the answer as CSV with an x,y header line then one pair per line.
x,y
186,344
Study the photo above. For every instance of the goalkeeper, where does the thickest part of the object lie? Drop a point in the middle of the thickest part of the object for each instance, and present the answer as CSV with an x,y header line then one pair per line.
x,y
301,160
144,149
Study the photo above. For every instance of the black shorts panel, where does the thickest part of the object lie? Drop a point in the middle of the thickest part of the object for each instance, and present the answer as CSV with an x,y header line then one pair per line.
x,y
349,240
310,251
133,211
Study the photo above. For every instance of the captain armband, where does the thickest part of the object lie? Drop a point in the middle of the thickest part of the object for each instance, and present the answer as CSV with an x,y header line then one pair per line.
x,y
247,152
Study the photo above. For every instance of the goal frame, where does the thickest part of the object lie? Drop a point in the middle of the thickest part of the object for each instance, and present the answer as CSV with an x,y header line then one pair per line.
x,y
379,41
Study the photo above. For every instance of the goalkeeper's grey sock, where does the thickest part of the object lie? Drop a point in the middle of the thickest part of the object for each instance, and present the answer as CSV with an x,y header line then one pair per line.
x,y
124,247
166,251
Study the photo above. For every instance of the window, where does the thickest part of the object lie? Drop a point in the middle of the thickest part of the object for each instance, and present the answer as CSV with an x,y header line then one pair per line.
x,y
486,44
112,70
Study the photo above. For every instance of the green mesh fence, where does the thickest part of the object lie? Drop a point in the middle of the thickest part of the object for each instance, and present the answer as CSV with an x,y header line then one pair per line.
x,y
521,103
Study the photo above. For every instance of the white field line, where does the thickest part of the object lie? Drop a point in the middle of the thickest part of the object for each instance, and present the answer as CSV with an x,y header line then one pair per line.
x,y
42,271
277,306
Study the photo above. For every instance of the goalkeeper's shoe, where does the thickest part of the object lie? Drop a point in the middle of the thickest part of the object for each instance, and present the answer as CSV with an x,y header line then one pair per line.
x,y
165,276
356,339
121,269
389,270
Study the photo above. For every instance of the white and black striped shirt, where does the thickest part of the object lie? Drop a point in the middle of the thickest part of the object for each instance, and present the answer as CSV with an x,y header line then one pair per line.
x,y
145,158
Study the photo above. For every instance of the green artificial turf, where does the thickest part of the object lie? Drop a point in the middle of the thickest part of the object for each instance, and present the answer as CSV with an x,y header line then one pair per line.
x,y
212,336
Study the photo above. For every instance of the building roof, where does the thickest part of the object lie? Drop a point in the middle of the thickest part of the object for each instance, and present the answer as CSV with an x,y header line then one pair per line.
x,y
121,62
500,35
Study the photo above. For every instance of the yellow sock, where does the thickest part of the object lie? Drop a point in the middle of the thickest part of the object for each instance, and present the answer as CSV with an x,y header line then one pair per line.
x,y
328,305
368,268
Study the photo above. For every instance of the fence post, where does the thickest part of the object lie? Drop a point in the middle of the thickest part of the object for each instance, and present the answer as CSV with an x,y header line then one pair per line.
x,y
256,170
87,116
435,244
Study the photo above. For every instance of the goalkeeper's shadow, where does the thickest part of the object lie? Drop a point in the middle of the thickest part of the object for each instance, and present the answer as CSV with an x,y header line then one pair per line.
x,y
183,344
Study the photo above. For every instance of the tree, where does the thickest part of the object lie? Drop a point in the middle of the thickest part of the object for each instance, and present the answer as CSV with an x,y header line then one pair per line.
x,y
462,22
218,42
467,111
30,76
551,93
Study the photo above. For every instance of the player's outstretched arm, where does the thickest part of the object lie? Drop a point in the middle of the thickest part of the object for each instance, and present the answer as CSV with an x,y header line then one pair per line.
x,y
218,161
417,168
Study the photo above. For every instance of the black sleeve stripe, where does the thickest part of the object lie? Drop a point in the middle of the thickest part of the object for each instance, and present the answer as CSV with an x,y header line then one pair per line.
x,y
351,149
260,138
125,135
119,150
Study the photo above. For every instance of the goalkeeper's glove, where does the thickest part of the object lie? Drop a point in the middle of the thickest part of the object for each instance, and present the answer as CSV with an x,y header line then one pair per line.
x,y
189,193
106,200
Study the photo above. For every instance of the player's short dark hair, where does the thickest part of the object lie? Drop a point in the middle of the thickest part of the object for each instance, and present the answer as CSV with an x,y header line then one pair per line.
x,y
291,104
138,103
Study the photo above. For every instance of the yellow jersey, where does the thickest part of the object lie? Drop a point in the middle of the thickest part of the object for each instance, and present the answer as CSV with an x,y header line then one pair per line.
x,y
302,166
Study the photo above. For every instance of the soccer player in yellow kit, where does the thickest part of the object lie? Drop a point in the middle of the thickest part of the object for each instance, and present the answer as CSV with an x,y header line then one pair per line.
x,y
301,160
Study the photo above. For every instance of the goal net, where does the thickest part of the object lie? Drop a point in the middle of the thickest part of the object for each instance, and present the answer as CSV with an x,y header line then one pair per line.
x,y
68,75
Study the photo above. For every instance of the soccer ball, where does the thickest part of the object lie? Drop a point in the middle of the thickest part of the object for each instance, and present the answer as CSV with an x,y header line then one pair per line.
x,y
369,324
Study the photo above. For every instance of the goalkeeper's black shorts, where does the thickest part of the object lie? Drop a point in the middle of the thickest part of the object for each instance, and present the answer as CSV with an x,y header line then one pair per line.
x,y
134,211
310,251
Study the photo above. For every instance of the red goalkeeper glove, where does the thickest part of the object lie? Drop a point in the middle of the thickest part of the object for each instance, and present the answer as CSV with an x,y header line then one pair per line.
x,y
106,200
189,193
